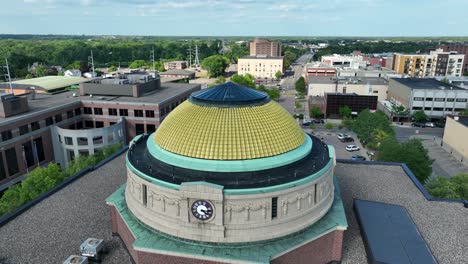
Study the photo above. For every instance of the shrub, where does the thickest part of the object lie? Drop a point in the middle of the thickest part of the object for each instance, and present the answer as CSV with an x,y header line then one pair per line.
x,y
453,188
328,125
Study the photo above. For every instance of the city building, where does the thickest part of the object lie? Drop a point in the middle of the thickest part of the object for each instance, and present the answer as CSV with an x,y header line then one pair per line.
x,y
317,69
436,99
437,63
454,140
344,61
229,167
264,47
375,72
72,73
319,86
460,49
185,74
357,103
47,84
175,65
260,66
39,128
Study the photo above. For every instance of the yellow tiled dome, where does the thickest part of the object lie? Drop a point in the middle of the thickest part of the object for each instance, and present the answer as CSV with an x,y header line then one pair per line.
x,y
229,133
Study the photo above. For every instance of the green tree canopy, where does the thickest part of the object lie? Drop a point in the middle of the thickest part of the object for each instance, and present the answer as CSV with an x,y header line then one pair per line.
x,y
464,112
112,68
366,123
420,116
40,71
273,93
246,80
411,152
345,111
453,188
315,112
278,75
215,65
300,85
137,64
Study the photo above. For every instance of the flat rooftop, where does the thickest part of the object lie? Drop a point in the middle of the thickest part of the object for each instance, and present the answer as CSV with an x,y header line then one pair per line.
x,y
463,120
349,80
80,211
426,83
47,83
43,102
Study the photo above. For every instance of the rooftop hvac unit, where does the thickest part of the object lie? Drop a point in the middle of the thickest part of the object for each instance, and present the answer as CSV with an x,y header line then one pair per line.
x,y
92,248
74,259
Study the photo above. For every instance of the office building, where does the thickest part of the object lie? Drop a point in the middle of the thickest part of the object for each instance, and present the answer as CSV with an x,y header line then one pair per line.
x,y
264,47
357,103
460,49
319,86
260,66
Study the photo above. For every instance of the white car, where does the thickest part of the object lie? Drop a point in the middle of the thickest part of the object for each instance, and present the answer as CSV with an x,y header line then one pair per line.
x,y
341,136
352,148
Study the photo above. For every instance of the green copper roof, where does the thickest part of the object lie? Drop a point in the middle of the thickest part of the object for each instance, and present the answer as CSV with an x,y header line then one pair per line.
x,y
147,239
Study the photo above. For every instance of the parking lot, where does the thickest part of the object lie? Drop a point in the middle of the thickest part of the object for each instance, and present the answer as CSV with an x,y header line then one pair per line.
x,y
330,137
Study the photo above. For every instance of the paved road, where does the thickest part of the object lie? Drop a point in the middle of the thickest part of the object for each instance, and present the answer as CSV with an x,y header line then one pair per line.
x,y
403,133
297,69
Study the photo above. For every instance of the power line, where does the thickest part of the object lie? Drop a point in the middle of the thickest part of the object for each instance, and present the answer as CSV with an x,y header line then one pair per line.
x,y
8,75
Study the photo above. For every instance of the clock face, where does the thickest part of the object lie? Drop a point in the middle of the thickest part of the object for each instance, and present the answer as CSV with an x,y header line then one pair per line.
x,y
202,210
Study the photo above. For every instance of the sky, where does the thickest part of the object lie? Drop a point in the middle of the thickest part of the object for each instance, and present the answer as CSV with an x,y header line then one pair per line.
x,y
236,17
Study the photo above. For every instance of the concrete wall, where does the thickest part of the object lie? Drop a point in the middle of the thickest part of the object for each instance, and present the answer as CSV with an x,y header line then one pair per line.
x,y
135,90
454,140
237,218
83,140
14,106
399,93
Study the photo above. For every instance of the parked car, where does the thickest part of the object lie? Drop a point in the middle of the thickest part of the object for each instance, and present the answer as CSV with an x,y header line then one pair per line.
x,y
347,139
352,148
318,121
341,136
358,157
306,123
418,124
429,124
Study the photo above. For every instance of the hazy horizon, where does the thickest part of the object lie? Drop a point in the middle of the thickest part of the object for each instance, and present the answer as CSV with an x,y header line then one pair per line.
x,y
243,18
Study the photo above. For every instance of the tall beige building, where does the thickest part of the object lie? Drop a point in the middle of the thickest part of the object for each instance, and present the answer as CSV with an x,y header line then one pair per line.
x,y
456,129
260,66
264,47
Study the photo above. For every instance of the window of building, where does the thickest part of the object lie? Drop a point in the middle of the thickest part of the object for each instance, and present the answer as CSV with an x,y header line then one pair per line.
x,y
418,99
460,60
110,137
376,92
138,113
144,195
83,152
274,207
78,111
461,100
123,112
12,161
3,174
429,99
49,121
69,114
450,99
112,123
68,141
99,124
139,128
82,141
459,109
58,118
39,149
416,108
71,154
448,109
87,111
79,125
35,126
6,135
427,108
89,124
438,109
439,99
28,154
97,140
112,111
97,111
24,129
149,113
150,128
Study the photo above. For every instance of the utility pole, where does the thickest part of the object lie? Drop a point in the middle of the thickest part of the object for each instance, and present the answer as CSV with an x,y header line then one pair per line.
x,y
197,59
190,55
8,74
152,59
91,62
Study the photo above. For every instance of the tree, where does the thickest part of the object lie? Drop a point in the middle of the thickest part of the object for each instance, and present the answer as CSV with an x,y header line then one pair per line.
x,y
453,188
59,73
301,85
245,80
159,66
411,152
112,68
74,65
278,75
215,65
40,71
366,123
328,125
136,64
345,111
464,112
445,80
273,93
316,112
84,66
399,111
419,116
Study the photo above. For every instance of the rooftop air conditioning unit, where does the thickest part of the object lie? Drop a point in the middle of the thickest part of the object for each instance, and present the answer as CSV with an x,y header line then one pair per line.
x,y
92,248
74,259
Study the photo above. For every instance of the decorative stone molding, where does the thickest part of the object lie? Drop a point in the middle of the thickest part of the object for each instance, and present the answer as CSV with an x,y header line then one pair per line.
x,y
165,201
246,207
296,199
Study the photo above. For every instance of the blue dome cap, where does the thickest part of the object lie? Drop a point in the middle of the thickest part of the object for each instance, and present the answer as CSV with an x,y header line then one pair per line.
x,y
229,94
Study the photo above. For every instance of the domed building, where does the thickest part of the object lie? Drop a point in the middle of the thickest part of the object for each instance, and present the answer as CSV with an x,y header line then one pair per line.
x,y
229,176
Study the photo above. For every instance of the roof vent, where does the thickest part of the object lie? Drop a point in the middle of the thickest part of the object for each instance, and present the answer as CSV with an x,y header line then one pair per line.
x,y
92,248
456,118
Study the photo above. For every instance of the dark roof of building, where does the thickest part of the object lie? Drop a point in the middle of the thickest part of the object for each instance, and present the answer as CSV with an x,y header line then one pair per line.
x,y
463,120
79,211
177,72
229,93
348,80
426,83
